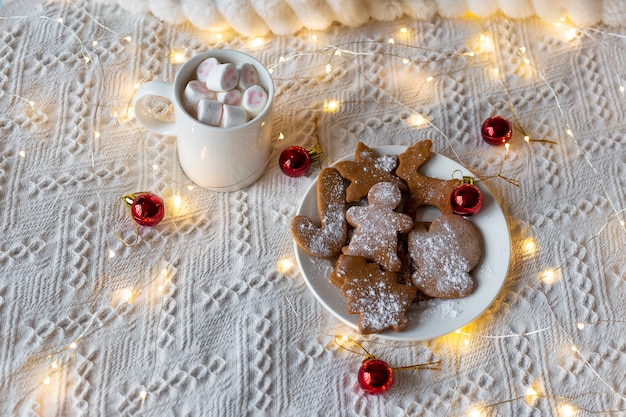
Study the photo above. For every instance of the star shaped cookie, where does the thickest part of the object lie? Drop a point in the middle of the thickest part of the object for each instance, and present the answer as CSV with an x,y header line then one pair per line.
x,y
368,169
375,295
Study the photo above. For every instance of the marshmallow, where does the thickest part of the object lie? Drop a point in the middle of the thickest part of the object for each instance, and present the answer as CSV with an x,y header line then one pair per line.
x,y
194,92
232,97
209,112
205,68
233,116
247,76
223,77
254,99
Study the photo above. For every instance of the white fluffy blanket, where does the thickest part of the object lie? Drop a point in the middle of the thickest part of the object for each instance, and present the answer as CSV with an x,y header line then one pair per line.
x,y
283,17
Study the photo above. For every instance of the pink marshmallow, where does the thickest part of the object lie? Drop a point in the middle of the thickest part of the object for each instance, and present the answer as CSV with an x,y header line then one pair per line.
x,y
232,97
223,77
233,116
205,68
194,92
209,112
254,99
248,76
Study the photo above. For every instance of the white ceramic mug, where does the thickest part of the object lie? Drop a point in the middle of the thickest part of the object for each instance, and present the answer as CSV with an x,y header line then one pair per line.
x,y
220,159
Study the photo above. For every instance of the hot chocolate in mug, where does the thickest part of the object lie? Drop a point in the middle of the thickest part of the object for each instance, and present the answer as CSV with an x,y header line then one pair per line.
x,y
217,158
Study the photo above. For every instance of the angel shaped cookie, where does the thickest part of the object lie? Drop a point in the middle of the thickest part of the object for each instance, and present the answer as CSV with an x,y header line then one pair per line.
x,y
377,226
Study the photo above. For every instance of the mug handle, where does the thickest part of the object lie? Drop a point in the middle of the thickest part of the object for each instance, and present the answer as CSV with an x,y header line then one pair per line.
x,y
145,117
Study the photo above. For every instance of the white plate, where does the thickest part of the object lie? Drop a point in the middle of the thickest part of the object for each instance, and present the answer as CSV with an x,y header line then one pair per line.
x,y
436,317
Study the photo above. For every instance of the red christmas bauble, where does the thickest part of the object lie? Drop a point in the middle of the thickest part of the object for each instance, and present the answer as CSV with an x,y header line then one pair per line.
x,y
147,209
496,130
375,376
295,161
466,200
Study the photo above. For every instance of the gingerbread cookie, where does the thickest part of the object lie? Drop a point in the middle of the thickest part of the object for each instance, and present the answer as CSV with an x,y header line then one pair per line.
x,y
344,263
375,295
328,239
377,226
444,254
368,169
425,191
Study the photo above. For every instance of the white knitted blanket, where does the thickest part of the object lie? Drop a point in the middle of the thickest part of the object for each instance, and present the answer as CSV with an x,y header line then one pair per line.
x,y
284,17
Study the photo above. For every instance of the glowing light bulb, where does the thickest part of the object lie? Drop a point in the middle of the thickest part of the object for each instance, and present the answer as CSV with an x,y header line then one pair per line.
x,y
258,42
337,52
126,295
128,39
566,410
522,49
574,348
96,135
22,154
111,254
155,167
178,56
429,79
329,68
531,395
54,365
331,106
285,265
527,139
73,345
580,326
46,380
219,36
60,20
474,413
529,246
143,394
416,120
190,187
569,133
281,136
405,61
548,276
314,38
486,44
404,30
177,201
391,41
